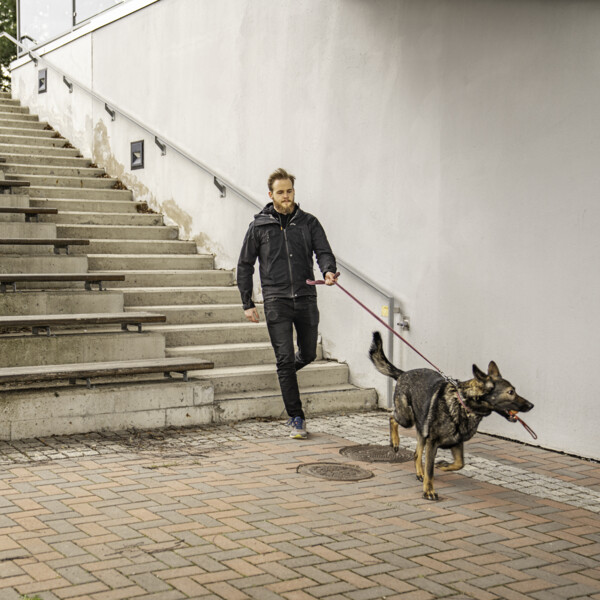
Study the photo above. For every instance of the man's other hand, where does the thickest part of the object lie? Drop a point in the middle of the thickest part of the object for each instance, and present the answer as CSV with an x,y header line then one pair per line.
x,y
252,314
329,278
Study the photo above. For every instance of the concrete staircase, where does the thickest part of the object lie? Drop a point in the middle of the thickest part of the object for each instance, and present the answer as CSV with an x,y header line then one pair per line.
x,y
163,274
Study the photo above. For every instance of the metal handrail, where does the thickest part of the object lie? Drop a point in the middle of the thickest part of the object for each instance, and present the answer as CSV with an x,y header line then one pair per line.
x,y
220,181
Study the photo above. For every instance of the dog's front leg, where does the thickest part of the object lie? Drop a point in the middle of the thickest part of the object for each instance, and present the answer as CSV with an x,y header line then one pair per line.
x,y
394,436
459,461
430,452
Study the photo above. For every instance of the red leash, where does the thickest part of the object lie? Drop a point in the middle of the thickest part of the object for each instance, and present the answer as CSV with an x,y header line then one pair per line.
x,y
454,382
528,429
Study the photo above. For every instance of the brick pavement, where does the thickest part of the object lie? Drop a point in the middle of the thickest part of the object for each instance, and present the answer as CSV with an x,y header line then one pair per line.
x,y
221,513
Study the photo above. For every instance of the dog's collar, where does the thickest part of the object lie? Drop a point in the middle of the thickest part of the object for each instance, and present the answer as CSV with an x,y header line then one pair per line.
x,y
455,383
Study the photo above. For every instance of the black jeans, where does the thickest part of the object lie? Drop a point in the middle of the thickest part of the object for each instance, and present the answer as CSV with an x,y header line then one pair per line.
x,y
282,315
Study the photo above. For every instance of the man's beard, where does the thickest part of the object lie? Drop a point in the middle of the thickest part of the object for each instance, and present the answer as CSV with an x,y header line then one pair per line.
x,y
285,209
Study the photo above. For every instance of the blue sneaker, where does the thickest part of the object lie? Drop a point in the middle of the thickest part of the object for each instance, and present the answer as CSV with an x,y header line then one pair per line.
x,y
298,428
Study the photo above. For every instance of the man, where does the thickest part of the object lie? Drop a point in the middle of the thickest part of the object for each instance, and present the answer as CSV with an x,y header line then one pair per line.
x,y
283,237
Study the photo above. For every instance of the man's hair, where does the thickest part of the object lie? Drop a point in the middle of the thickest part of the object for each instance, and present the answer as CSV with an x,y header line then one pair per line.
x,y
277,175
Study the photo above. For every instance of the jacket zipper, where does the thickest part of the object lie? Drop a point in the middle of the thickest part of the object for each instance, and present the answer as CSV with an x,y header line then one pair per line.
x,y
289,261
287,249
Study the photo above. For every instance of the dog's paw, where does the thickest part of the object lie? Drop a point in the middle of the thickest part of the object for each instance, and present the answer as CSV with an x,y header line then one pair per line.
x,y
442,464
395,448
430,496
419,477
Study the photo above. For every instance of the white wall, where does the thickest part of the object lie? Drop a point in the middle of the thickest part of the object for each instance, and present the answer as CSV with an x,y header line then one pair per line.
x,y
450,149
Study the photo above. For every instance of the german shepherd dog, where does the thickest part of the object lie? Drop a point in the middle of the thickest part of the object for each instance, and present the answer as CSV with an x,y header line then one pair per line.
x,y
426,399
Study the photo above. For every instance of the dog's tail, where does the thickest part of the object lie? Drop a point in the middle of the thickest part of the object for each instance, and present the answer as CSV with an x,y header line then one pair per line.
x,y
379,359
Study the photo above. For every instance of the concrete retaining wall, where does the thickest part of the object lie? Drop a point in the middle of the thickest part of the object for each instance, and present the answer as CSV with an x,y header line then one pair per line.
x,y
111,407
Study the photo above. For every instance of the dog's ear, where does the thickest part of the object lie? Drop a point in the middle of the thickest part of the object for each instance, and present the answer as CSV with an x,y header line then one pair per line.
x,y
479,374
483,377
493,370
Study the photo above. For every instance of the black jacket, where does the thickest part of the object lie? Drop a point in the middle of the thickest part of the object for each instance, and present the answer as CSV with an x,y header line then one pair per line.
x,y
285,255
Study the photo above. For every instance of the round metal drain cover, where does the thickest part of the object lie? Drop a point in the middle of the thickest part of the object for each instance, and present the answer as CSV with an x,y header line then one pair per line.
x,y
334,471
375,453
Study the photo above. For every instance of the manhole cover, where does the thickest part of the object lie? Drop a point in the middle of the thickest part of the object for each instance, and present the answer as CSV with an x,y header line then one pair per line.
x,y
375,453
334,471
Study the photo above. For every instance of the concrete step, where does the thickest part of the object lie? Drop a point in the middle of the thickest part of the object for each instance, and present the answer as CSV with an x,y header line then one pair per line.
x,y
217,333
8,115
232,355
93,206
77,193
181,314
231,380
58,302
50,263
7,149
27,250
63,161
93,183
66,348
119,232
20,124
4,101
172,278
112,262
9,108
31,140
100,218
13,218
317,399
37,132
27,230
136,247
32,169
14,200
156,296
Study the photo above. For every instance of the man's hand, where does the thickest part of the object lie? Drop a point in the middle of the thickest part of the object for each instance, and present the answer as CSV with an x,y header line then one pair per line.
x,y
330,278
252,314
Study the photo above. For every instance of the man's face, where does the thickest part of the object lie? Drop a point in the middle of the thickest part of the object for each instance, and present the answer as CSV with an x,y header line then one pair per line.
x,y
283,196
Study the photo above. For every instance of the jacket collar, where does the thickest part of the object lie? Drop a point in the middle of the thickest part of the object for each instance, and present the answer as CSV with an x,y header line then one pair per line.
x,y
269,215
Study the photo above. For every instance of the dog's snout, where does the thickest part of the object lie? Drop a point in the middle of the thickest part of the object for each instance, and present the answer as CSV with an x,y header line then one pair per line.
x,y
525,405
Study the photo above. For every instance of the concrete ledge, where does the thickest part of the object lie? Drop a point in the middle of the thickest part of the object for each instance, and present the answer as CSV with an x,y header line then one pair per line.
x,y
27,230
322,400
109,407
48,263
12,218
28,350
118,232
79,193
59,302
14,200
181,295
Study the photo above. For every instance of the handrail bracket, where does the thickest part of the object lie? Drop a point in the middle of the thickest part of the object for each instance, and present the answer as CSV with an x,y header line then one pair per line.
x,y
221,187
110,111
163,147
